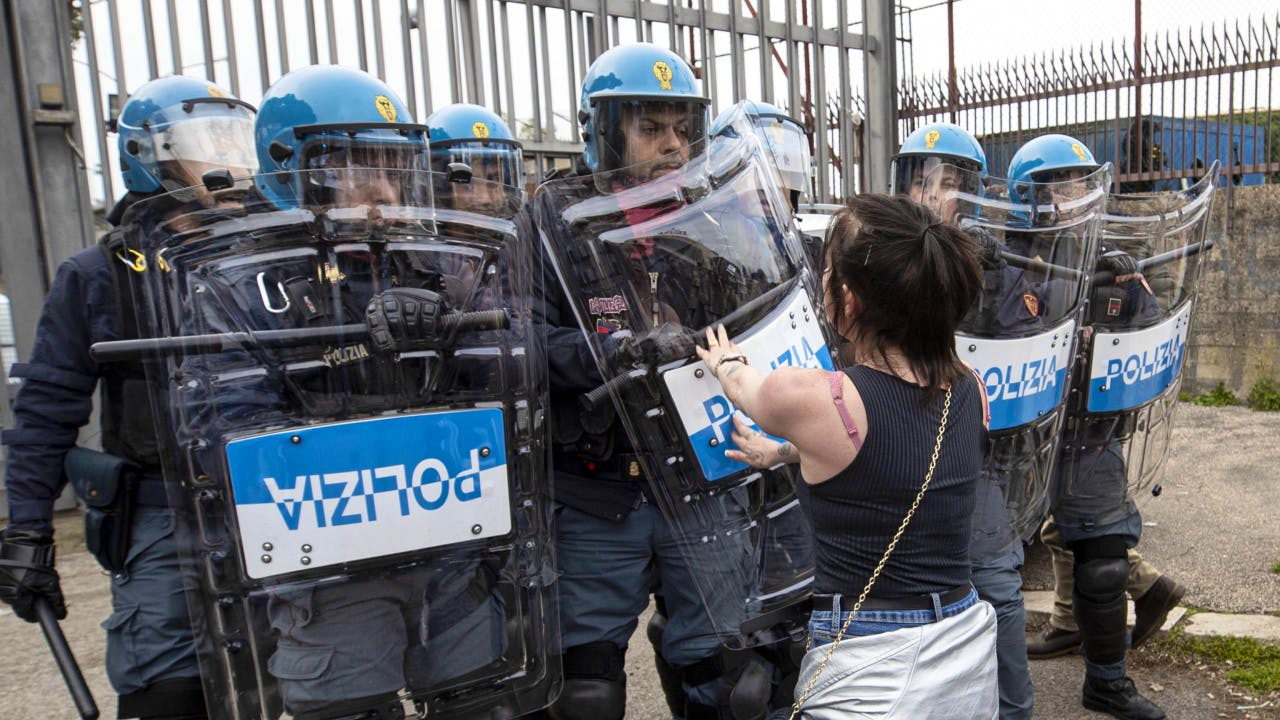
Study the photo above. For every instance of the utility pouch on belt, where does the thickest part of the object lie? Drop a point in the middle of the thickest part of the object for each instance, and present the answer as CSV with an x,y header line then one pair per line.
x,y
105,483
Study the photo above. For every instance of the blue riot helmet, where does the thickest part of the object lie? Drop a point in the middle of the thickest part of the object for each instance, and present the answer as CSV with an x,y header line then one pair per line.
x,y
1048,159
481,140
346,129
919,167
783,137
174,129
641,108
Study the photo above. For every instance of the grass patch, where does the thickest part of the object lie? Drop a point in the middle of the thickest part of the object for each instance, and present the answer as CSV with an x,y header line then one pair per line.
x,y
1275,568
1220,396
1264,396
1255,666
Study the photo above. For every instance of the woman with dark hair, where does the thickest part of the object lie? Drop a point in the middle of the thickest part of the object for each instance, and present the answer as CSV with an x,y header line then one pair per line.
x,y
890,452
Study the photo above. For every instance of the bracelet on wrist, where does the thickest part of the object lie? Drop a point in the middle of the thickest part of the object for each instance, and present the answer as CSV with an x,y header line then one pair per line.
x,y
733,357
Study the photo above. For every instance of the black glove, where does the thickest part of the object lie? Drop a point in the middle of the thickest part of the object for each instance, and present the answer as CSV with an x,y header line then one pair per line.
x,y
1118,263
403,319
991,256
662,344
27,574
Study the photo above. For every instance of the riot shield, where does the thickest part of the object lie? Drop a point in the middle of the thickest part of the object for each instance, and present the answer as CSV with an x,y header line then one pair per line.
x,y
707,244
1117,435
363,526
1038,248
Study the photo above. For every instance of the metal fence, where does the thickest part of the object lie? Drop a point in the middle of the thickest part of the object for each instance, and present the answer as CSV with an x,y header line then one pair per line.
x,y
1161,110
522,58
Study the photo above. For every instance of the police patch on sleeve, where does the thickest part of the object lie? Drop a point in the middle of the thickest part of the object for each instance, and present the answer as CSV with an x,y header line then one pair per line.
x,y
1032,302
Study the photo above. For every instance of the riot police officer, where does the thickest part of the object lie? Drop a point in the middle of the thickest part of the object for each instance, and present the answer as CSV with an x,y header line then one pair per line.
x,y
476,137
171,131
338,138
642,117
935,164
1096,519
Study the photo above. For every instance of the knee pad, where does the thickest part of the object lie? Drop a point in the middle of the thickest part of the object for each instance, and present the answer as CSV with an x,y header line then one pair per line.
x,y
590,699
669,678
1101,579
595,684
176,699
1099,607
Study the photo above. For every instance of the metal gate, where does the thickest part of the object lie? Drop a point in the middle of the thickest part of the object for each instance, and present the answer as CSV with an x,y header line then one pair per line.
x,y
523,59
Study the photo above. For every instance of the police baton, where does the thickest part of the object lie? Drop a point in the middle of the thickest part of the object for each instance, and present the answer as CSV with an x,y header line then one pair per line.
x,y
115,350
1105,277
66,660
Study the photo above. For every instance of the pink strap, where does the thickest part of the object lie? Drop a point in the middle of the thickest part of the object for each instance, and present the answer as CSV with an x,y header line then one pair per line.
x,y
837,397
986,402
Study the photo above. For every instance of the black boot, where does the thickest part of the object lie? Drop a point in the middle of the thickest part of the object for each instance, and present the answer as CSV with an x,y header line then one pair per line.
x,y
1119,698
1053,643
1151,610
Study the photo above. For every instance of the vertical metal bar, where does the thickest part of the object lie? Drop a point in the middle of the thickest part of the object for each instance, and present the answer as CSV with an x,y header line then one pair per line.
x,y
206,36
91,51
576,70
822,129
362,45
117,51
455,78
842,112
766,49
793,80
881,83
495,101
473,60
313,48
229,36
378,52
600,38
674,40
263,70
532,43
406,49
331,27
737,54
282,41
149,26
426,66
549,105
510,69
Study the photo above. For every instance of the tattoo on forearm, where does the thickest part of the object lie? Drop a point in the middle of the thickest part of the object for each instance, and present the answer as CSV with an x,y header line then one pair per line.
x,y
786,449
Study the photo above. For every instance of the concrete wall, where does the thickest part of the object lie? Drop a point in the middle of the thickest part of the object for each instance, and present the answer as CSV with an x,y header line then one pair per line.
x,y
1235,333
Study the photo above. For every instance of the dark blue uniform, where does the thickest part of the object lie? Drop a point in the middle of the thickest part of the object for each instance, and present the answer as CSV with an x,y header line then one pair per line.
x,y
149,640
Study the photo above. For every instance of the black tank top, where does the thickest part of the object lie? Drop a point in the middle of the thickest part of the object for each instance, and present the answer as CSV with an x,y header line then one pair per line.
x,y
855,514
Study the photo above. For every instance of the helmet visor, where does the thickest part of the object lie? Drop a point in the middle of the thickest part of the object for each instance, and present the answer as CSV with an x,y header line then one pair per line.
x,y
649,137
210,136
934,182
787,142
361,172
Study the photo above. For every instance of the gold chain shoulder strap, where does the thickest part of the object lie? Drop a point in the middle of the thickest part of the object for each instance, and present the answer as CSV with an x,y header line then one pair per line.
x,y
928,477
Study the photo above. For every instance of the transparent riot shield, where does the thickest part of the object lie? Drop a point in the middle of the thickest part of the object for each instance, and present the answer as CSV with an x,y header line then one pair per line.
x,y
1039,245
1117,436
706,244
363,527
